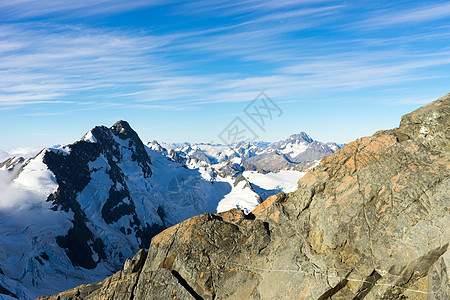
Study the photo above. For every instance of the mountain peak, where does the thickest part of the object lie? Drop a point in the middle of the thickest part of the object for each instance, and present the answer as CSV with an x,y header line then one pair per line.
x,y
122,123
123,128
301,136
103,151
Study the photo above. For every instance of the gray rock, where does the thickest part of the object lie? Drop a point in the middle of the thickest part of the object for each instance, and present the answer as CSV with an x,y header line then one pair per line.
x,y
11,163
135,264
430,124
269,161
301,167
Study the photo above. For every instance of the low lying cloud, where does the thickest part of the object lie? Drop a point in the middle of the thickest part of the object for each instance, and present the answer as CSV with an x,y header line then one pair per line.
x,y
12,197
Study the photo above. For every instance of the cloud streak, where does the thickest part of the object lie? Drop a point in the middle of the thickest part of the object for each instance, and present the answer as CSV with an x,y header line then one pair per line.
x,y
90,68
20,9
425,13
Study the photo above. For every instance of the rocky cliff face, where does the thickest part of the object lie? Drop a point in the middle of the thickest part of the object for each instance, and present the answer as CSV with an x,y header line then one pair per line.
x,y
73,169
369,222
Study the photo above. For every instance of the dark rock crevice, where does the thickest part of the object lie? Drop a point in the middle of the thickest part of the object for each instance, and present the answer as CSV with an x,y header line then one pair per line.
x,y
135,265
329,293
4,291
415,270
185,284
367,286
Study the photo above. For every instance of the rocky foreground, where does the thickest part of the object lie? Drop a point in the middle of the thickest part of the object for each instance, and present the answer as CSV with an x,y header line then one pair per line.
x,y
369,222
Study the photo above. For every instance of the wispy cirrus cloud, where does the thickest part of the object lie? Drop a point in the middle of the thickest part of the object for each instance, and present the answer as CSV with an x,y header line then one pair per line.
x,y
48,64
226,7
419,14
44,63
181,61
305,12
20,9
360,69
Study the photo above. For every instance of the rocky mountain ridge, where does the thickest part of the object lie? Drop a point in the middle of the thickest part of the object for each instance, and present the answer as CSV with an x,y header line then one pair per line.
x,y
369,222
235,158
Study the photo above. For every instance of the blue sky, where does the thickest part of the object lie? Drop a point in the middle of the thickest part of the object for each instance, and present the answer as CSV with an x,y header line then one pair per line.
x,y
183,70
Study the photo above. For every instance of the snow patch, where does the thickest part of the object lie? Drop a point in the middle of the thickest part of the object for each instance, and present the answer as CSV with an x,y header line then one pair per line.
x,y
240,197
28,227
37,177
61,149
295,150
89,137
270,184
100,163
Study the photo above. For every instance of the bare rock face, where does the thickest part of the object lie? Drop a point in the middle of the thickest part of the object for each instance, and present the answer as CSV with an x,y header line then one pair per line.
x,y
430,124
369,222
12,163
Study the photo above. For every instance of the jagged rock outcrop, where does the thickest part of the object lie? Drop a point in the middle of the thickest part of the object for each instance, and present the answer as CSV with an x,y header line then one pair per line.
x,y
369,222
11,163
304,166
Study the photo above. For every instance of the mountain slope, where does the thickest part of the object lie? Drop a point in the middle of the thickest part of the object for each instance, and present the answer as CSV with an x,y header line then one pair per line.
x,y
370,221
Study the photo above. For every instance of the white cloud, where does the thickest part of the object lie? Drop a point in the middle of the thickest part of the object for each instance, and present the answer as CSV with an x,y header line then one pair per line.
x,y
429,12
50,64
12,197
225,7
19,9
91,69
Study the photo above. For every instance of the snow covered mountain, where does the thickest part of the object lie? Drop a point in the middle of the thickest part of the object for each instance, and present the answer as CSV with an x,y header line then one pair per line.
x,y
72,214
235,158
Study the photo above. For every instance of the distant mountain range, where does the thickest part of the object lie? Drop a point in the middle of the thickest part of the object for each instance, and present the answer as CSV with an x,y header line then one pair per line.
x,y
265,156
